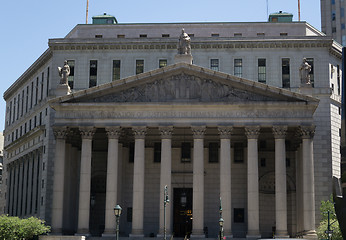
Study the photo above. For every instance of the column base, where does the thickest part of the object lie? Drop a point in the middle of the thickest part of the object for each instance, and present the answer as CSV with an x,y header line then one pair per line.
x,y
281,234
310,234
109,233
253,235
83,232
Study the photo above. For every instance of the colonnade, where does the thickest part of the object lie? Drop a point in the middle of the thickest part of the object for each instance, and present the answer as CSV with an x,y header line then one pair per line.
x,y
23,195
166,132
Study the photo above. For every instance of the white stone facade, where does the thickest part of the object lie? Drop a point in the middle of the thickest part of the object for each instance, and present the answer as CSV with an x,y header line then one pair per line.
x,y
46,155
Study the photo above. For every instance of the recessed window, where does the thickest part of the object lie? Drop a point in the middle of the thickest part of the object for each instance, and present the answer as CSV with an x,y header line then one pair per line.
x,y
238,34
239,216
191,35
143,35
120,36
185,152
139,66
93,73
165,35
238,153
262,70
98,36
71,76
214,64
157,152
283,34
213,152
215,35
260,34
285,66
162,63
310,61
238,67
116,70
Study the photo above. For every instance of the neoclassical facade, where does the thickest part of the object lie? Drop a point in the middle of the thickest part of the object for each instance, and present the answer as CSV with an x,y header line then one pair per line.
x,y
237,124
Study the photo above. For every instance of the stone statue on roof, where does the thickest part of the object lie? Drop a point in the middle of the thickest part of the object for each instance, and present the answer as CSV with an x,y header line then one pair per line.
x,y
304,72
184,43
64,72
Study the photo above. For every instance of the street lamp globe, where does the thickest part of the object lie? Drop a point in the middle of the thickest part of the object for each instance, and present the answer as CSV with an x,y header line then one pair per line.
x,y
221,222
117,210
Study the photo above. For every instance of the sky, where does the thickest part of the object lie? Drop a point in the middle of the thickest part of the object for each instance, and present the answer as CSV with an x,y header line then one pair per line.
x,y
26,26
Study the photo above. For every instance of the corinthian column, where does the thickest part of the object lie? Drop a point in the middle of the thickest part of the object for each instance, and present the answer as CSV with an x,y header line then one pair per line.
x,y
165,176
138,182
85,180
280,182
225,178
59,177
113,134
198,182
307,133
252,182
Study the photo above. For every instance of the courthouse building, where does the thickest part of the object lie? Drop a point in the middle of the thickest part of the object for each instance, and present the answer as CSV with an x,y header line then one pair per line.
x,y
238,123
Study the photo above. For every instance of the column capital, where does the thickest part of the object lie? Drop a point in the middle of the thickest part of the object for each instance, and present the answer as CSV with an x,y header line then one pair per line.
x,y
225,131
198,132
307,132
113,132
166,132
87,132
279,132
139,132
252,132
60,132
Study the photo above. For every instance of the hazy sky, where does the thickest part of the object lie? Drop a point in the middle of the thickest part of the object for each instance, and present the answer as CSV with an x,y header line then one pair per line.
x,y
26,26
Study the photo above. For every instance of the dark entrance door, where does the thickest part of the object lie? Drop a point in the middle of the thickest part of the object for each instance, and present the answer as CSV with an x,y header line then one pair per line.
x,y
182,208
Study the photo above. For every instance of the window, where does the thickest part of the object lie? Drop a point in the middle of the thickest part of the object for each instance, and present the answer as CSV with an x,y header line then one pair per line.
x,y
120,36
14,109
27,99
131,152
157,152
238,67
333,15
238,153
32,94
310,61
36,96
285,65
262,70
139,66
165,35
47,89
98,36
283,34
10,114
143,35
185,152
71,76
162,63
214,64
22,108
263,162
342,13
42,79
338,78
213,152
260,34
116,70
215,35
238,34
238,215
18,102
93,73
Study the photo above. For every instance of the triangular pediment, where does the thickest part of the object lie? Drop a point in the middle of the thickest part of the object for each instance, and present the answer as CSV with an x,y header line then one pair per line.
x,y
183,83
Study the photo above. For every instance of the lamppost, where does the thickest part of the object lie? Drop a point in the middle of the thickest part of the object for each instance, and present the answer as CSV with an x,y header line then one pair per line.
x,y
220,222
117,213
165,202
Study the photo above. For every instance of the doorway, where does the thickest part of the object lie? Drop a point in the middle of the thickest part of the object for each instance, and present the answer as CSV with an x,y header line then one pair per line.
x,y
182,208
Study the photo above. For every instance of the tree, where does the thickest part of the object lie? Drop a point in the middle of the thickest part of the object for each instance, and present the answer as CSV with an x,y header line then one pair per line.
x,y
14,228
334,224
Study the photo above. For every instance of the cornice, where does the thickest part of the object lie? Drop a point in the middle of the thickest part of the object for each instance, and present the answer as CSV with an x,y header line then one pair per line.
x,y
29,73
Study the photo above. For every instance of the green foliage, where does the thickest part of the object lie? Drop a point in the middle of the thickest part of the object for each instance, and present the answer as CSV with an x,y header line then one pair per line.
x,y
14,228
334,224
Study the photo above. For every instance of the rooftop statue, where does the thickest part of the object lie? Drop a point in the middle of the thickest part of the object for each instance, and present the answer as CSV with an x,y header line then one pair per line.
x,y
184,43
64,72
304,71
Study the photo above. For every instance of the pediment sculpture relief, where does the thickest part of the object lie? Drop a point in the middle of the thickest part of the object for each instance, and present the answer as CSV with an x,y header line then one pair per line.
x,y
182,88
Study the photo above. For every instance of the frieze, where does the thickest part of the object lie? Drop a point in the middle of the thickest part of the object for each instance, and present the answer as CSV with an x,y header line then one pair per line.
x,y
99,114
182,87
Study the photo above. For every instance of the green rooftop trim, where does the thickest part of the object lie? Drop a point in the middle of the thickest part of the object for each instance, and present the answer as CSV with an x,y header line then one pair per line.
x,y
280,17
104,19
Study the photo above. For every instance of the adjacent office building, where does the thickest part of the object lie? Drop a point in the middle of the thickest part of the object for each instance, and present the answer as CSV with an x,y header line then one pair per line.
x,y
227,117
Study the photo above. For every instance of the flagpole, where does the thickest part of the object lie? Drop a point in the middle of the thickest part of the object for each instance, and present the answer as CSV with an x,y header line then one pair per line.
x,y
87,11
299,10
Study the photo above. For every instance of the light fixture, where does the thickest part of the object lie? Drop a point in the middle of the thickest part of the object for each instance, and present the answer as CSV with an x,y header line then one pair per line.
x,y
117,210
